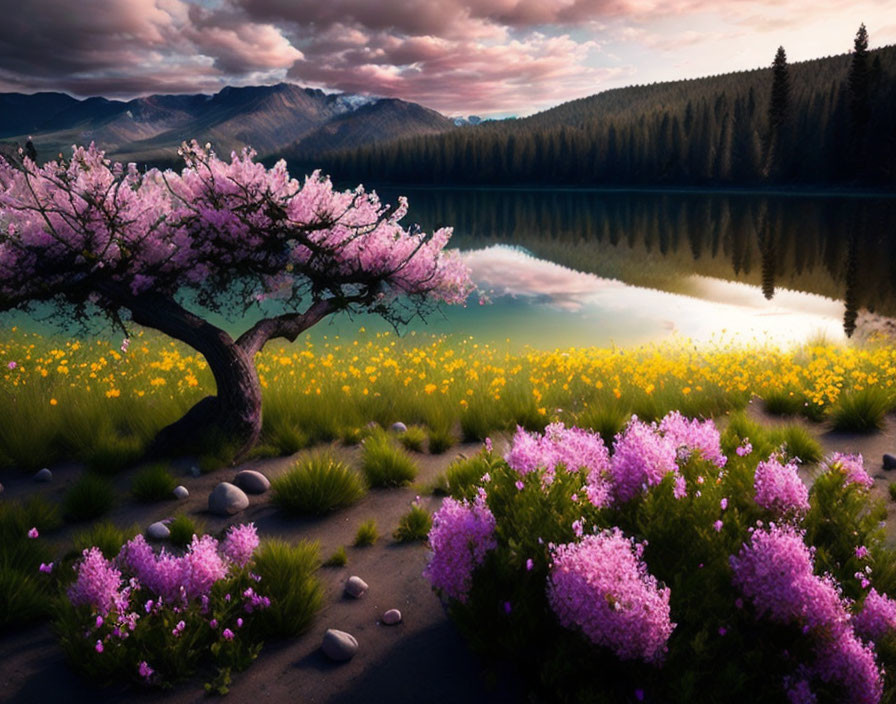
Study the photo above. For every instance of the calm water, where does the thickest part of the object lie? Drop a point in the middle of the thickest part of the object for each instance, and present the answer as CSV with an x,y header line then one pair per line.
x,y
564,268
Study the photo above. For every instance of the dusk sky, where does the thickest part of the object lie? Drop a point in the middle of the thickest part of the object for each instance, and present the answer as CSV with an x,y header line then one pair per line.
x,y
461,57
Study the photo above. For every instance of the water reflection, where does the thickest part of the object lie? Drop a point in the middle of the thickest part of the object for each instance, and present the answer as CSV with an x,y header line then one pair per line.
x,y
843,248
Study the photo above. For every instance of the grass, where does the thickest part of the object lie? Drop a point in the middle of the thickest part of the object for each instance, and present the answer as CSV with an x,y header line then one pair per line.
x,y
784,402
441,439
862,411
106,536
339,558
892,489
367,534
795,439
289,575
153,483
182,529
413,438
606,419
414,525
797,442
384,464
461,477
317,485
89,498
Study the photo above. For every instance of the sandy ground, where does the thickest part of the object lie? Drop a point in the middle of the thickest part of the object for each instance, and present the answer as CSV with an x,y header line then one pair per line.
x,y
422,659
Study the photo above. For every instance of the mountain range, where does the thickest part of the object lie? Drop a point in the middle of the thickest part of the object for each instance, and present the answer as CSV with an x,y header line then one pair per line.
x,y
282,119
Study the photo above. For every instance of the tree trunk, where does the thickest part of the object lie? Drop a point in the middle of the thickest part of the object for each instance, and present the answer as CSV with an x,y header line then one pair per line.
x,y
233,416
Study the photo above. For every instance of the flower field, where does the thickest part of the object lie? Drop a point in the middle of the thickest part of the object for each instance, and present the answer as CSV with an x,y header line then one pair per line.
x,y
102,403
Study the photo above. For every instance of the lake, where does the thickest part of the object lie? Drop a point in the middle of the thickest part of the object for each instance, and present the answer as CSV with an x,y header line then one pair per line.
x,y
577,267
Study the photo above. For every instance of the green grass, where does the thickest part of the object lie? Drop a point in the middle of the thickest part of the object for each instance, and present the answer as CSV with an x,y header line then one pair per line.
x,y
89,498
414,525
23,597
339,558
384,464
289,577
861,411
441,439
113,453
606,420
794,438
282,436
461,478
892,489
797,442
106,536
153,483
317,485
413,438
784,402
367,534
182,529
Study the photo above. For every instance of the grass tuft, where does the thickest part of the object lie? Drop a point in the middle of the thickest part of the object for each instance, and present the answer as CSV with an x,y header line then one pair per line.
x,y
182,529
606,420
367,534
338,559
861,411
89,498
461,477
414,525
384,464
106,536
153,483
441,439
413,438
317,485
288,575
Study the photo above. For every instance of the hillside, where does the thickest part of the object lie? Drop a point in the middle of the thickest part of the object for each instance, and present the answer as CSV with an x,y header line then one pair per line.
x,y
272,119
709,131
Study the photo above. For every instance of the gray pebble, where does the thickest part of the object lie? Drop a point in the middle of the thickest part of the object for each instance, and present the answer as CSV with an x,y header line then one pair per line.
x,y
252,482
181,492
391,617
339,645
355,586
158,531
44,475
227,499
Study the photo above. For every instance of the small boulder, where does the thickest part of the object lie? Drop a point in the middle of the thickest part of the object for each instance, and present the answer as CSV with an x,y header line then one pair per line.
x,y
399,427
391,617
44,475
227,499
355,586
158,531
181,492
195,471
339,645
252,482
889,461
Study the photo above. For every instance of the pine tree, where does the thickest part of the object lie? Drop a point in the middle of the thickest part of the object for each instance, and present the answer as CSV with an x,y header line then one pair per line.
x,y
859,100
778,113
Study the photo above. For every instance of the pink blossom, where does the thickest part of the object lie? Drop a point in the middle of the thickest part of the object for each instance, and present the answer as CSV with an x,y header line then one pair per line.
x,y
97,584
601,586
717,526
99,646
461,536
144,670
227,634
852,467
33,533
877,617
11,365
693,436
240,543
641,458
779,488
46,567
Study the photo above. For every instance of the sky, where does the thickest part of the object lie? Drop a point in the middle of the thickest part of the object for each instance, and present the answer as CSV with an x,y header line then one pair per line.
x,y
491,58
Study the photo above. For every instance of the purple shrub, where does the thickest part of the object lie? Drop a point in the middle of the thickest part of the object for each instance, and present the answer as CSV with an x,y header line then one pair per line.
x,y
98,584
641,458
694,436
852,467
240,543
877,617
779,488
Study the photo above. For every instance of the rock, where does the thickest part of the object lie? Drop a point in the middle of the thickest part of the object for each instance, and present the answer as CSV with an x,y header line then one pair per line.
x,y
227,499
399,427
252,482
355,586
44,475
889,461
391,617
339,645
1,488
181,492
195,471
158,531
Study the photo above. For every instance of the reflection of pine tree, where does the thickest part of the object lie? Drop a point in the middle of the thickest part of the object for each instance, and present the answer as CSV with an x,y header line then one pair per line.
x,y
850,297
768,254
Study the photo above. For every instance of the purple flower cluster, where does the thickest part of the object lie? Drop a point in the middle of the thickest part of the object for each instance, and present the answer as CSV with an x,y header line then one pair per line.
x,y
601,586
240,543
877,617
641,458
694,436
98,584
779,488
852,467
462,533
573,448
776,572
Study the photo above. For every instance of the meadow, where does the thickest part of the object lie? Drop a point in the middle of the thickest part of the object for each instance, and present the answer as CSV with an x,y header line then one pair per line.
x,y
90,401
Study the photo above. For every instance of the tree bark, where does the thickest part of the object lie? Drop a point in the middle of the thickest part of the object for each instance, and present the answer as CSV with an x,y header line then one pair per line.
x,y
233,415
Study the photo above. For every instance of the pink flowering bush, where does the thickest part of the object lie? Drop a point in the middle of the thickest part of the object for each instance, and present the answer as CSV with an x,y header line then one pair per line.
x,y
649,571
155,617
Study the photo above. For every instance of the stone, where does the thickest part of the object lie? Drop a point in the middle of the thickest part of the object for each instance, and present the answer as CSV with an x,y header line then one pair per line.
x,y
355,586
399,427
252,482
339,645
1,488
195,471
391,617
158,531
181,492
227,499
44,475
889,461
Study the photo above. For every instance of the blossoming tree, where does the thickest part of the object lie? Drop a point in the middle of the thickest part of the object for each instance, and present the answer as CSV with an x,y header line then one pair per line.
x,y
86,234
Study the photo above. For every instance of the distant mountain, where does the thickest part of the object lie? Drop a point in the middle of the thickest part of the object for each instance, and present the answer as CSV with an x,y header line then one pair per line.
x,y
273,120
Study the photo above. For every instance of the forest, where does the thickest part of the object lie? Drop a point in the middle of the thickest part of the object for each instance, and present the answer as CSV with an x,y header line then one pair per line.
x,y
825,122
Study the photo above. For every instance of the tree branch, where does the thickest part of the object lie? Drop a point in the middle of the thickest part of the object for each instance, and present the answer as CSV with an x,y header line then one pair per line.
x,y
288,326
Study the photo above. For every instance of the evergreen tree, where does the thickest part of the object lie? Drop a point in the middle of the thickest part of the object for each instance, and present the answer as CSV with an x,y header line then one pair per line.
x,y
778,113
859,100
